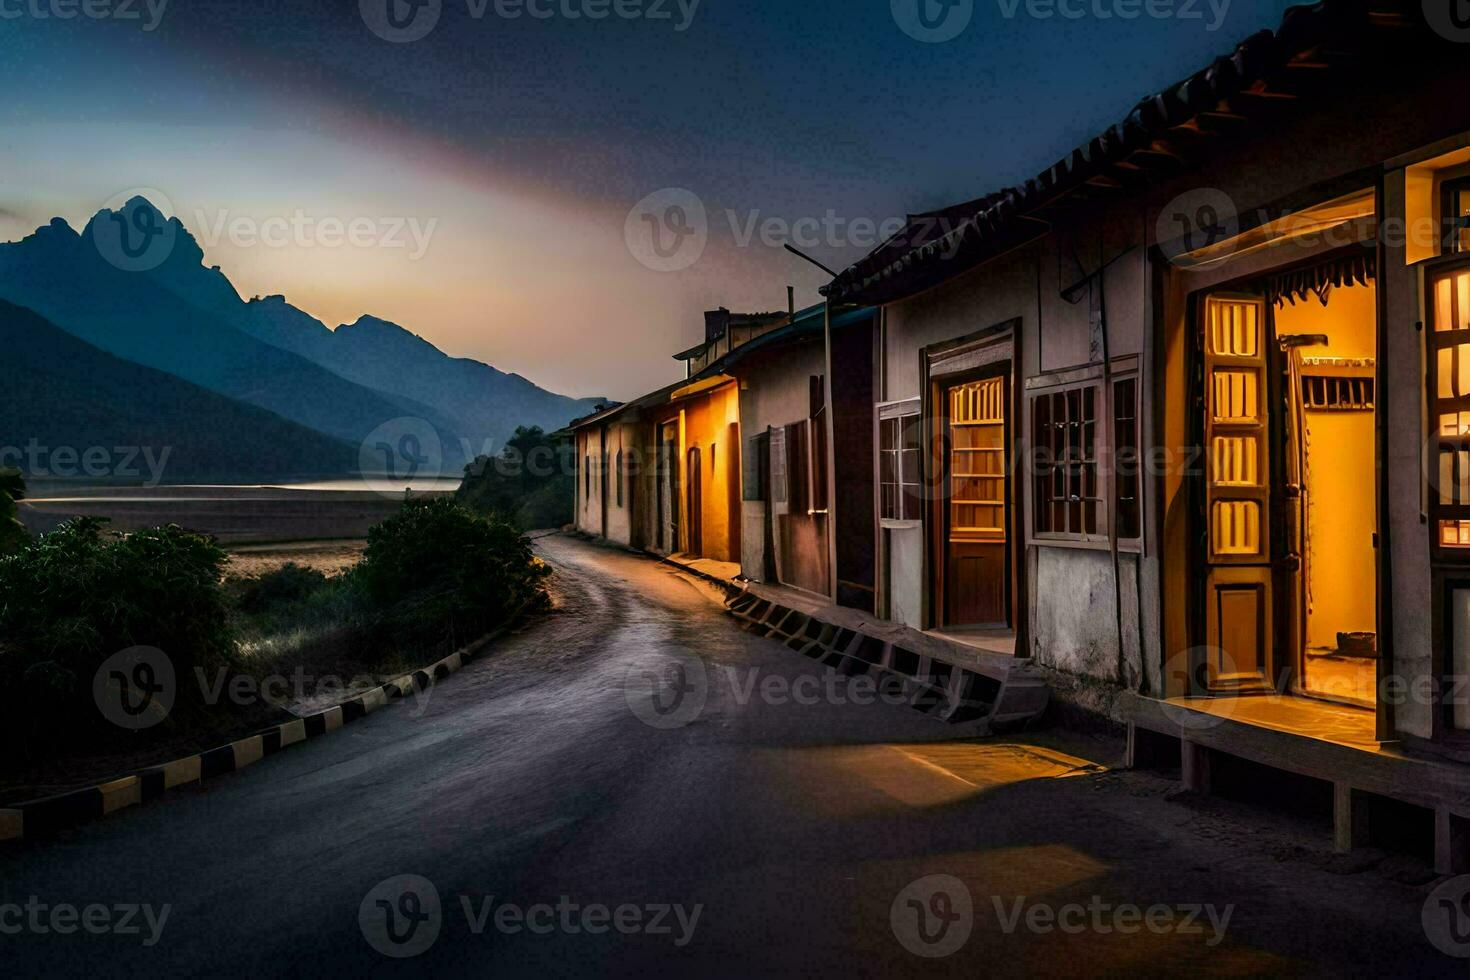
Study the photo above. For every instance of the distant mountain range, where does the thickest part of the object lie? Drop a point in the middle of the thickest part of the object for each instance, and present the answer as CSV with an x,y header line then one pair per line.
x,y
172,313
68,409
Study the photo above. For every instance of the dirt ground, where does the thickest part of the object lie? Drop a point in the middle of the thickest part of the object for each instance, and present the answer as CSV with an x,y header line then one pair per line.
x,y
327,557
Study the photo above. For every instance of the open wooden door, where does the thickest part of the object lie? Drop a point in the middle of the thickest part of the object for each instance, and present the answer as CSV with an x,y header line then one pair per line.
x,y
1238,569
977,515
1294,576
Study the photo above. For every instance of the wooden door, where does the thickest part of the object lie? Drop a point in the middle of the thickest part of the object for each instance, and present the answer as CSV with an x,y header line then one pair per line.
x,y
1294,574
695,510
1238,572
976,511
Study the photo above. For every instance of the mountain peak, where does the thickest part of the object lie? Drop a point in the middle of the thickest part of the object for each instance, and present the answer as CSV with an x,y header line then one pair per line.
x,y
56,230
140,215
379,330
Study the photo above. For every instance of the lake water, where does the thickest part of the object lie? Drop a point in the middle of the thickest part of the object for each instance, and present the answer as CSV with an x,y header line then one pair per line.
x,y
68,491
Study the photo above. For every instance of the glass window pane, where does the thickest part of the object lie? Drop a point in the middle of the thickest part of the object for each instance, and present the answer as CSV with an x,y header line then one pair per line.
x,y
909,466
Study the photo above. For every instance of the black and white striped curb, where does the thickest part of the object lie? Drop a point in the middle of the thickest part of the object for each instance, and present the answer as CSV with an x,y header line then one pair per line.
x,y
936,687
37,818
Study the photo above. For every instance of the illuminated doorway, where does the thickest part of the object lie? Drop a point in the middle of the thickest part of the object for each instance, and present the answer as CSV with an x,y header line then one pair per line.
x,y
976,516
1330,346
1288,503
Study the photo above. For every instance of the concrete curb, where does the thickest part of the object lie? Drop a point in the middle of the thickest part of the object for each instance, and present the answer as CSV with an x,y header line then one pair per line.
x,y
941,690
45,816
730,589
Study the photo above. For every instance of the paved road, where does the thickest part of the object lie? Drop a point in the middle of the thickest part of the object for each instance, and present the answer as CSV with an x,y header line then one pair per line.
x,y
803,836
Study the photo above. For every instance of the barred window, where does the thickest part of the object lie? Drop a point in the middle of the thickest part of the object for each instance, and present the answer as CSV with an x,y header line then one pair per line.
x,y
900,495
1064,440
1449,390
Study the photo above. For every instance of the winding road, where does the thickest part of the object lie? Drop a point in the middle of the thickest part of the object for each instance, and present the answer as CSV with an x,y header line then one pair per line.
x,y
632,786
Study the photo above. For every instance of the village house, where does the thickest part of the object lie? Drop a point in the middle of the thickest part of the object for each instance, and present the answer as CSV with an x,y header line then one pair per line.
x,y
662,472
733,464
1186,418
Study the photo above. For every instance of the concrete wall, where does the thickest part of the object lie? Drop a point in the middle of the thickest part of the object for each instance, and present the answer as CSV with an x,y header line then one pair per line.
x,y
1401,374
619,510
1072,611
588,511
775,391
599,509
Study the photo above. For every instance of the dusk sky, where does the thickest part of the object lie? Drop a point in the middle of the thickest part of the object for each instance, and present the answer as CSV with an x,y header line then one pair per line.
x,y
515,148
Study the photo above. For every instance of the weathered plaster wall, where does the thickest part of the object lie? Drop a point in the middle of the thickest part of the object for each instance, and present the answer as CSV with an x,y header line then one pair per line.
x,y
1076,616
1400,366
620,438
589,483
906,576
1071,590
776,391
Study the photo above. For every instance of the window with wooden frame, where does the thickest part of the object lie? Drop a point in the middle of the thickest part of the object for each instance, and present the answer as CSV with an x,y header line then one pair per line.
x,y
1455,213
1073,466
900,494
1448,341
1068,497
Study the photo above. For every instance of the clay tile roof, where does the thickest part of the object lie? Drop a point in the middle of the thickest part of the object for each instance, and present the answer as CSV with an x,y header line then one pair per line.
x,y
1145,138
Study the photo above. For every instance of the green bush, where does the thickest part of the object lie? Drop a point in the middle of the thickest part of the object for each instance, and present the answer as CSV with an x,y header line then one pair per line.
x,y
434,575
72,598
286,586
12,532
530,485
437,572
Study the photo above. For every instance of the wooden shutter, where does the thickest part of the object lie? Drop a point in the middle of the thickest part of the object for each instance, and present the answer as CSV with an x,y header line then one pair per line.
x,y
1237,492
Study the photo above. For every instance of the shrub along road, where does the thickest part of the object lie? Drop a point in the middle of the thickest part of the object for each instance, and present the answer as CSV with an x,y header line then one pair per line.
x,y
574,805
